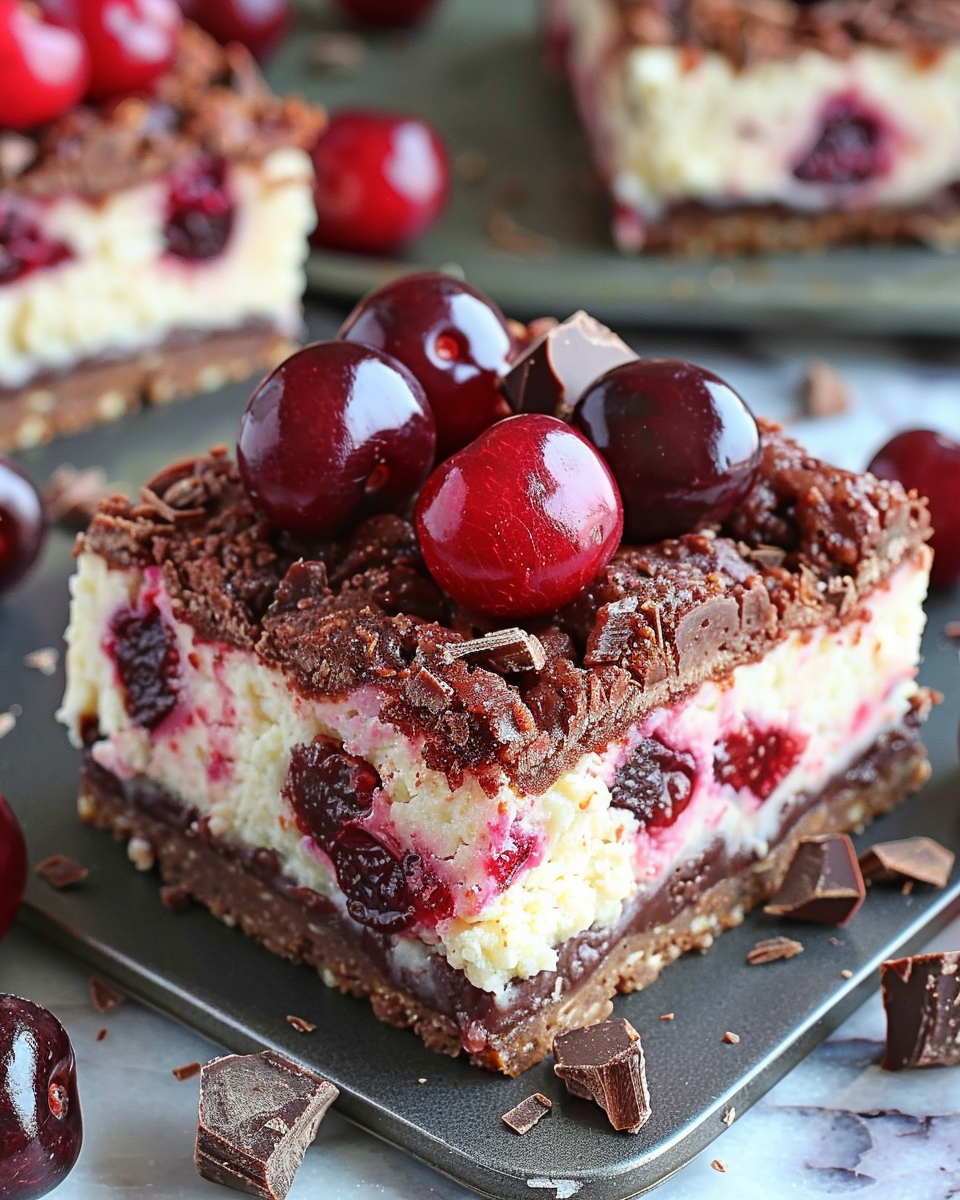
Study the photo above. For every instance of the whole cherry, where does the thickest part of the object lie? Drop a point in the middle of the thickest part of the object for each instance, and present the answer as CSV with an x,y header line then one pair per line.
x,y
13,866
256,24
381,180
520,521
930,463
40,1124
682,445
452,338
44,68
131,42
22,524
388,13
338,431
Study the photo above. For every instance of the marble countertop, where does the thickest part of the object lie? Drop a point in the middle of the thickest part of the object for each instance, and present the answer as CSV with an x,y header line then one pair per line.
x,y
835,1125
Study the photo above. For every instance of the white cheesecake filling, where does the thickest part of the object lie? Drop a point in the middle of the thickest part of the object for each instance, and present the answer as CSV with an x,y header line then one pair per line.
x,y
119,292
669,126
225,749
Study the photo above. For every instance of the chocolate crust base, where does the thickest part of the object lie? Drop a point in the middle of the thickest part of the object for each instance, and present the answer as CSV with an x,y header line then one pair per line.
x,y
702,899
102,390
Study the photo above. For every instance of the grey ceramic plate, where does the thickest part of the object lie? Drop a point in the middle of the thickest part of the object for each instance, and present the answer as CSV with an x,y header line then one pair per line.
x,y
476,71
216,980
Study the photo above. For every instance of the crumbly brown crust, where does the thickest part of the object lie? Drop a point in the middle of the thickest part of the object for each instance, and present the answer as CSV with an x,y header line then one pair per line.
x,y
807,545
213,102
749,31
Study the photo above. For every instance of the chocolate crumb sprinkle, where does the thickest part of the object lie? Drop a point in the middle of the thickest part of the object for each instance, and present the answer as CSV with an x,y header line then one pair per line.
x,y
105,996
61,872
719,1165
101,1033
187,1071
771,949
299,1024
527,1113
730,1038
729,1116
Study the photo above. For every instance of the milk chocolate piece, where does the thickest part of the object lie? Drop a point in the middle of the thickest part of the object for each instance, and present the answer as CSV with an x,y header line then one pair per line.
x,y
258,1115
920,859
823,882
527,1113
505,650
604,1062
921,997
556,369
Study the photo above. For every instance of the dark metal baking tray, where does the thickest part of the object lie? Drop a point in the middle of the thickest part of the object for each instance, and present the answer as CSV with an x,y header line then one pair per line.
x,y
216,980
476,70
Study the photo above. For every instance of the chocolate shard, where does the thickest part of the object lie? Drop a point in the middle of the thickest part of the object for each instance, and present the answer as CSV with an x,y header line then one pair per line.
x,y
504,650
527,1113
823,882
921,997
771,949
605,1063
258,1115
920,859
61,872
554,371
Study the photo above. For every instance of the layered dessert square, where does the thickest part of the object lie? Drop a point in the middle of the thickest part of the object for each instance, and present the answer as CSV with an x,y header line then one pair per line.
x,y
722,126
151,246
488,829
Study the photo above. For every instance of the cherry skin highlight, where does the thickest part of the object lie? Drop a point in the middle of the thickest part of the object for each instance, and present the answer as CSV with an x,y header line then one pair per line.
x,y
682,445
519,522
337,432
23,526
45,68
131,43
40,1124
381,180
13,866
452,338
930,463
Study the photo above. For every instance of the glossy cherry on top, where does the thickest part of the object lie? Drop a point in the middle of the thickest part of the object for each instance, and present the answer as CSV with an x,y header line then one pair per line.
x,y
131,43
45,68
40,1124
381,180
682,445
930,463
13,866
521,520
388,13
22,524
337,432
452,338
256,24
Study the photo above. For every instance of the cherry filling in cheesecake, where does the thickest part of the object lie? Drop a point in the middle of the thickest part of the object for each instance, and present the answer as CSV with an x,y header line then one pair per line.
x,y
24,247
854,145
200,211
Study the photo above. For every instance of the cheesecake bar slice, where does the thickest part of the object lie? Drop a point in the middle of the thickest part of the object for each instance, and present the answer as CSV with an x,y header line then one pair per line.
x,y
489,831
722,126
153,246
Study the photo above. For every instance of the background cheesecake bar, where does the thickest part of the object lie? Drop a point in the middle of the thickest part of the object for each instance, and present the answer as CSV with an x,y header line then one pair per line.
x,y
743,125
151,247
489,836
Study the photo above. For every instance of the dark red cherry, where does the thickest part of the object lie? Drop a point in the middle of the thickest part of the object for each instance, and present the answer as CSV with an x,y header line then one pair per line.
x,y
256,24
22,524
328,789
388,13
200,210
520,521
452,338
930,463
40,1124
13,867
381,180
24,247
852,146
757,757
148,664
682,445
44,69
337,432
655,783
131,43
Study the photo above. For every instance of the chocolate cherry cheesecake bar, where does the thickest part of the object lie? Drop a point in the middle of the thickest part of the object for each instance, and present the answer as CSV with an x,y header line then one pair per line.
x,y
722,126
485,814
151,245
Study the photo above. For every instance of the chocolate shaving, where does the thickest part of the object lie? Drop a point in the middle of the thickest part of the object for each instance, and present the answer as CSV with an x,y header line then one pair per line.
x,y
824,392
771,949
604,1063
258,1115
718,1165
72,497
527,1113
187,1071
917,859
921,998
105,996
730,1038
61,872
823,882
299,1024
101,1033
505,649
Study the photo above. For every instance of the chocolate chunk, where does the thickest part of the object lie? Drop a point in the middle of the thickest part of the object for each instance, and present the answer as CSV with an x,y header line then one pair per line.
x,y
556,369
823,882
187,1071
771,949
505,650
527,1113
604,1062
258,1115
104,996
61,872
920,859
921,997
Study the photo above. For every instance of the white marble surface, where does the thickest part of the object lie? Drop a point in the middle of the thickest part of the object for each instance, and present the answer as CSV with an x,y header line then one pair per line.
x,y
835,1125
